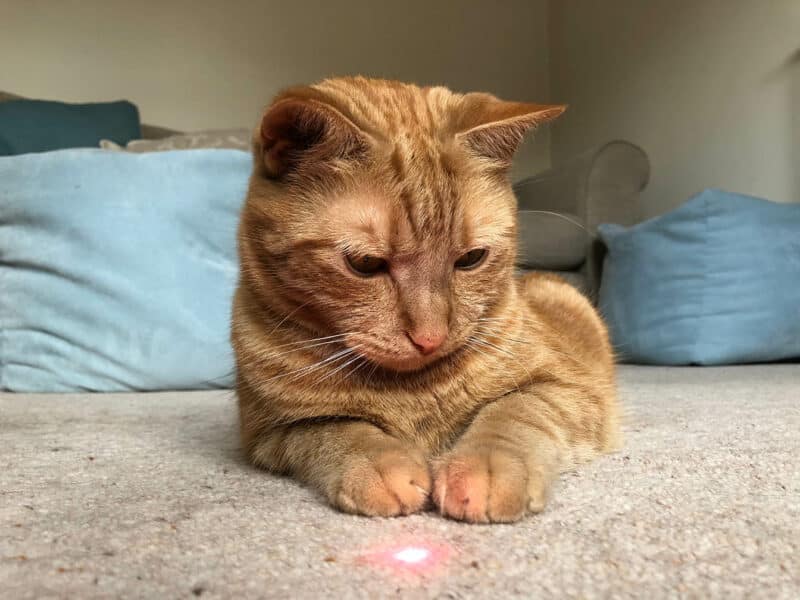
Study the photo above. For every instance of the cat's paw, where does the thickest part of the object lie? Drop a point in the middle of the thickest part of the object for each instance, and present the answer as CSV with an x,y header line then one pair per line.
x,y
387,483
486,486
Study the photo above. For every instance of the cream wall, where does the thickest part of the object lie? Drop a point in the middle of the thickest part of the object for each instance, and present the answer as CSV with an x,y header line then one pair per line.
x,y
703,86
214,64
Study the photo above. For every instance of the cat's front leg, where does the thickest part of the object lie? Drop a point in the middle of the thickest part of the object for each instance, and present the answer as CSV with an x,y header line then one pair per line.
x,y
359,468
504,464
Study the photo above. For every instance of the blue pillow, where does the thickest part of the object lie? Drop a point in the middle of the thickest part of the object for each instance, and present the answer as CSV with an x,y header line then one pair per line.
x,y
716,281
117,269
42,125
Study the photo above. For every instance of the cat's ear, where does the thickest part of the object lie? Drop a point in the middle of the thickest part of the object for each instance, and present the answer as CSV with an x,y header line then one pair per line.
x,y
300,128
494,129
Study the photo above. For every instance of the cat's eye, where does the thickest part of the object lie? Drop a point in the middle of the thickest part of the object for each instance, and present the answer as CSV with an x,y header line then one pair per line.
x,y
471,259
366,265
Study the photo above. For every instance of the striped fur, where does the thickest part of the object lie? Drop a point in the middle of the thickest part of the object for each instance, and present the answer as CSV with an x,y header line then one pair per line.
x,y
332,389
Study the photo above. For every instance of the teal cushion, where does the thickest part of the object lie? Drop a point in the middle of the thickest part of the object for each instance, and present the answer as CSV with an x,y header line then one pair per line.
x,y
42,125
715,281
117,269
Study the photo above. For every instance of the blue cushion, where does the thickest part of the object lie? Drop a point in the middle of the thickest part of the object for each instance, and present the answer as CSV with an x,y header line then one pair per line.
x,y
117,269
715,281
42,125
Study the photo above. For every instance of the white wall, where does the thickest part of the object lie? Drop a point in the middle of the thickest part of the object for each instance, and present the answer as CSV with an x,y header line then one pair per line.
x,y
703,86
213,64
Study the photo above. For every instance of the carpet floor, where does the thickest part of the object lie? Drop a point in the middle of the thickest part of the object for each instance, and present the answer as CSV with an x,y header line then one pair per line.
x,y
147,496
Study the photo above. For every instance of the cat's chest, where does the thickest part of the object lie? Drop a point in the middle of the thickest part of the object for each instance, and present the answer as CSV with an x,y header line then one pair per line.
x,y
432,418
433,414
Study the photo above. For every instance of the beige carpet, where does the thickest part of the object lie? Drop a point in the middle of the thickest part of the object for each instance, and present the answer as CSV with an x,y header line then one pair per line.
x,y
146,496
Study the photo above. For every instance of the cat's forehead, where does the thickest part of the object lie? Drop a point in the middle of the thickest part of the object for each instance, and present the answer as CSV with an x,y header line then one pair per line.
x,y
422,191
372,220
394,108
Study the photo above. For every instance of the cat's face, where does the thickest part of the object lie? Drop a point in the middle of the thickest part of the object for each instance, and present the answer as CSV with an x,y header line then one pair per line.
x,y
404,281
376,214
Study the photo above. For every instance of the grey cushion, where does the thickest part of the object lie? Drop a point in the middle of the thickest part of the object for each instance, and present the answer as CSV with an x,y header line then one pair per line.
x,y
156,132
601,185
550,240
236,139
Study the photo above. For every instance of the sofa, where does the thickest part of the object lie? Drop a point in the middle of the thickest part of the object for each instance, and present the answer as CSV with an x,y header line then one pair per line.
x,y
561,208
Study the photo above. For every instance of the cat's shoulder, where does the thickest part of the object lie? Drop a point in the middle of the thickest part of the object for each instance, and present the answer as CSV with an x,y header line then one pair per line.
x,y
553,300
549,286
562,310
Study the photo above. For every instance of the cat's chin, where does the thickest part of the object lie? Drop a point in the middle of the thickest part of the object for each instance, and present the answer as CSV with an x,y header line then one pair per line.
x,y
406,364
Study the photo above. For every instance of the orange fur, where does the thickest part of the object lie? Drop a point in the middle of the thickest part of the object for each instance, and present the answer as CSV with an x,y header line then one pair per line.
x,y
516,380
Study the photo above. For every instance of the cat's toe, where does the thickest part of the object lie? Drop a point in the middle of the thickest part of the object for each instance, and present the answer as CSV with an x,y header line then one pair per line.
x,y
461,489
482,487
387,485
537,492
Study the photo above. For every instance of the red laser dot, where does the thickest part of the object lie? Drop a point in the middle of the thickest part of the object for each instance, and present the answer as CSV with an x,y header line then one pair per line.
x,y
412,555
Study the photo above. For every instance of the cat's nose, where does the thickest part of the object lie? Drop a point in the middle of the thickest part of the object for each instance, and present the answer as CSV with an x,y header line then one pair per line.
x,y
428,341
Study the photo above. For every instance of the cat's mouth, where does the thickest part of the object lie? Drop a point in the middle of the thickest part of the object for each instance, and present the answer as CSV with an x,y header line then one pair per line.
x,y
401,362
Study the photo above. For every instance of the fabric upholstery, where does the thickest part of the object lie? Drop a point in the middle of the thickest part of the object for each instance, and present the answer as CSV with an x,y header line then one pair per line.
x,y
42,125
117,269
148,132
550,240
601,185
715,281
236,139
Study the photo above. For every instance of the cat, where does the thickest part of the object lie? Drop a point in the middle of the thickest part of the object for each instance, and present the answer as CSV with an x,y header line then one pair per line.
x,y
386,354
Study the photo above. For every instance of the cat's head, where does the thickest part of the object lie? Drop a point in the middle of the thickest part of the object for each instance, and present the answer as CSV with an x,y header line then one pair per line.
x,y
383,211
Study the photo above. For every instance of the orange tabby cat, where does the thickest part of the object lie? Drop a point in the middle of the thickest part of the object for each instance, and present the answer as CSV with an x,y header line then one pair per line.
x,y
385,351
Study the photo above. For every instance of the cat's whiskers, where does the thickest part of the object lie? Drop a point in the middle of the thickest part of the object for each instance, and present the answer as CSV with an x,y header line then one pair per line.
x,y
282,321
560,216
372,372
471,341
485,342
499,335
482,341
358,366
340,367
313,367
471,344
474,347
301,345
317,367
332,338
501,322
571,357
306,347
549,348
510,318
